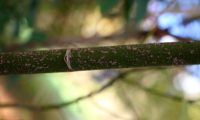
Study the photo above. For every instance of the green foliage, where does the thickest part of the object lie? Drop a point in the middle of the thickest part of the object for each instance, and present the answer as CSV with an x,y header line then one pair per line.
x,y
38,36
184,110
106,6
11,9
141,10
138,7
128,4
17,20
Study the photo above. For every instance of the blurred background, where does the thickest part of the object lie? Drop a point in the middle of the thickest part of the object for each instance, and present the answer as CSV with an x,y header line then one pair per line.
x,y
167,93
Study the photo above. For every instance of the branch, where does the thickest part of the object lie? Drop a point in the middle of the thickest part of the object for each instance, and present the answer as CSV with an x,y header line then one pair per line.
x,y
127,56
68,103
129,102
154,92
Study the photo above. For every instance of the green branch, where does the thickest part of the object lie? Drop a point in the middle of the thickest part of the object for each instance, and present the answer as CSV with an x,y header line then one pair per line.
x,y
75,59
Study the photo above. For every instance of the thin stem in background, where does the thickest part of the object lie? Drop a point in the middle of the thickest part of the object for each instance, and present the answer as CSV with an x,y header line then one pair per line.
x,y
67,103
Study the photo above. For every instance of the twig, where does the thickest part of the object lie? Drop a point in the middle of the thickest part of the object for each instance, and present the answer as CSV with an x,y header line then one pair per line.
x,y
130,103
64,104
154,92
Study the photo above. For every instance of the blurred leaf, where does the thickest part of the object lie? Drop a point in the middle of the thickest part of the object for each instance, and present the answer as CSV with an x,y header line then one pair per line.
x,y
33,5
141,10
4,16
3,20
12,11
128,4
184,110
25,31
38,36
107,5
16,28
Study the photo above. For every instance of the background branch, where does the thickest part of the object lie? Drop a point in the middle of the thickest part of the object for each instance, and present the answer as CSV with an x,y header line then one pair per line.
x,y
65,104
